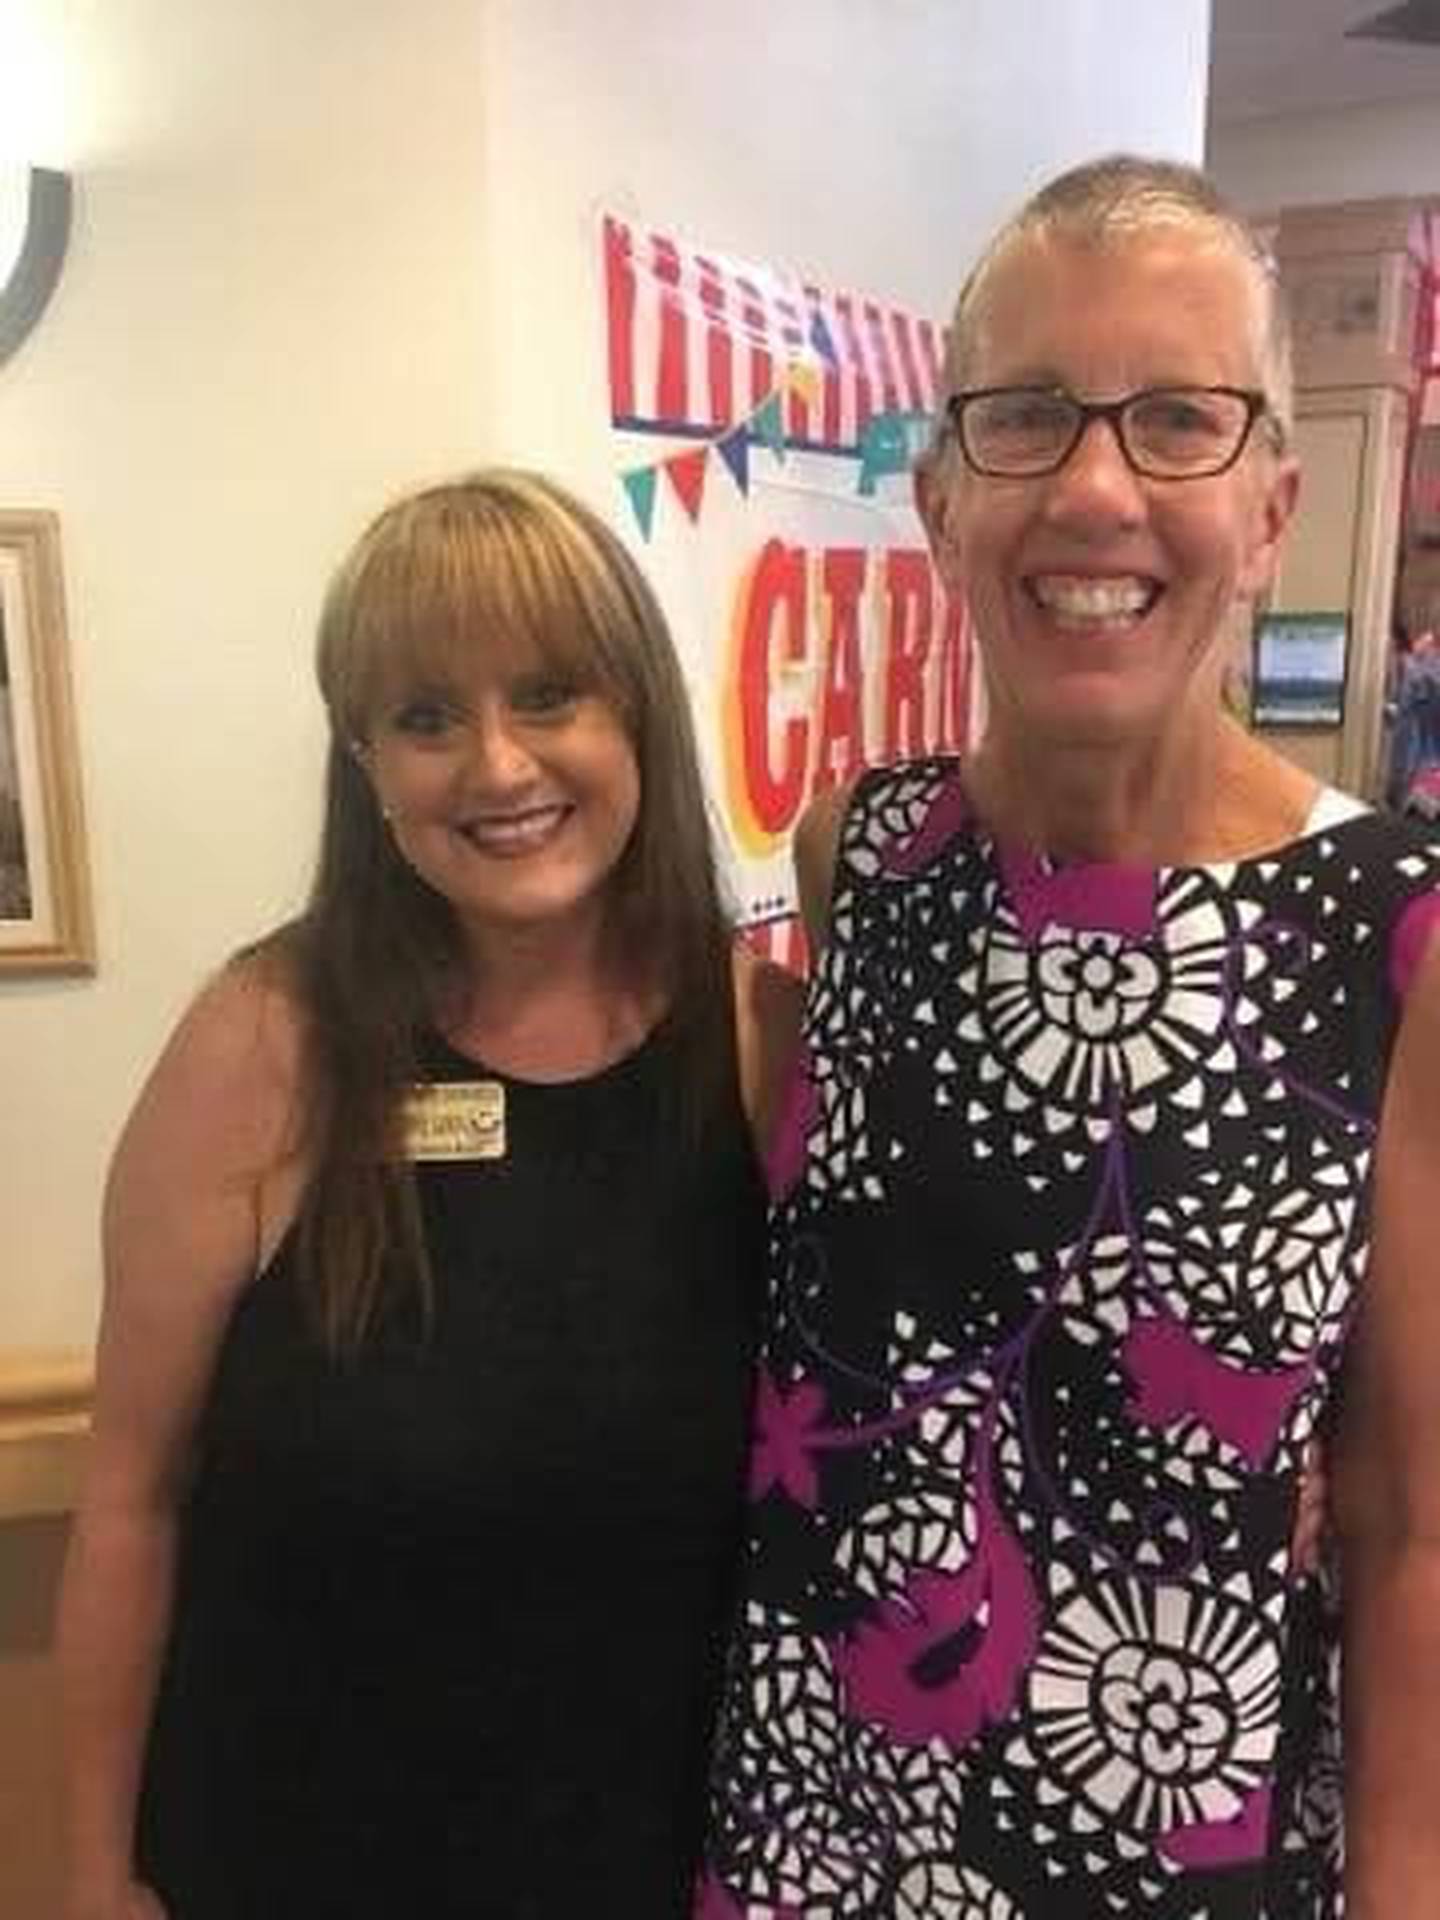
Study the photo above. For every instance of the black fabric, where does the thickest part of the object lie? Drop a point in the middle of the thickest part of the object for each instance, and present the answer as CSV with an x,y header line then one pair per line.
x,y
449,1618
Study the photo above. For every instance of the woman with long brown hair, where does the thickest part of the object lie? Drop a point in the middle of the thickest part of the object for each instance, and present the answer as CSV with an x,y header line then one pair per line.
x,y
431,1251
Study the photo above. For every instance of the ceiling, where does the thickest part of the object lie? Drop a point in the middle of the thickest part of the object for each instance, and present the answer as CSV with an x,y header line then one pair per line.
x,y
1272,57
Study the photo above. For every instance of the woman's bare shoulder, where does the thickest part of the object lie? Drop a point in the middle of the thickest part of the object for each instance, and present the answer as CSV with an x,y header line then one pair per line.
x,y
816,849
1389,1476
769,1001
204,1178
228,1085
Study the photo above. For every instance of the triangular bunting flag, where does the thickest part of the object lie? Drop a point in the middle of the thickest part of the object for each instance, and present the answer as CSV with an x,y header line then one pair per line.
x,y
806,382
735,452
687,476
770,427
640,485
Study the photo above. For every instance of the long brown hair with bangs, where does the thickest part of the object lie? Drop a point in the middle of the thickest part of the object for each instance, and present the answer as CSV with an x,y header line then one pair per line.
x,y
377,954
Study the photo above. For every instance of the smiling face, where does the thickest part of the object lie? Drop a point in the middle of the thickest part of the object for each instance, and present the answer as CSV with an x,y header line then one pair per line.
x,y
1102,600
512,790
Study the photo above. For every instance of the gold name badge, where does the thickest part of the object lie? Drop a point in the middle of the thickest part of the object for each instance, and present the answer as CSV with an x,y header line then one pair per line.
x,y
455,1120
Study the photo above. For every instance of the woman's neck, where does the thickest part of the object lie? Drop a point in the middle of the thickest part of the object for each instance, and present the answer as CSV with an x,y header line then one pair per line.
x,y
1217,794
547,1003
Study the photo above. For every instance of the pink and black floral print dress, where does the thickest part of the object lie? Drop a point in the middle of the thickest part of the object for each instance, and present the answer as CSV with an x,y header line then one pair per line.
x,y
1070,1224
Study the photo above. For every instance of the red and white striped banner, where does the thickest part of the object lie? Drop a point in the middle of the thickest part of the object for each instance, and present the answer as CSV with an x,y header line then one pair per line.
x,y
816,636
699,343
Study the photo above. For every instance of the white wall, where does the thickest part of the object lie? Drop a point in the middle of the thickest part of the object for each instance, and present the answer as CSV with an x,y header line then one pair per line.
x,y
1348,153
873,143
327,247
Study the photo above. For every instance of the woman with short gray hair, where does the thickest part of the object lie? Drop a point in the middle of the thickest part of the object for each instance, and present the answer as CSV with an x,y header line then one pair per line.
x,y
1113,1151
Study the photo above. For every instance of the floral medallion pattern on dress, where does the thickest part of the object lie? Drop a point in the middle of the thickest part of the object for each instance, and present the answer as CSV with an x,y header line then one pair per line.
x,y
1071,1213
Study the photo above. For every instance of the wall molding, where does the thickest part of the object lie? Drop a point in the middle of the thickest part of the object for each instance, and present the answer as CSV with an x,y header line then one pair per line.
x,y
44,1426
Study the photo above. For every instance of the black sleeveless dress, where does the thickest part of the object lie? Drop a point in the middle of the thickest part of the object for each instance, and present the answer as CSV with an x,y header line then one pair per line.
x,y
449,1619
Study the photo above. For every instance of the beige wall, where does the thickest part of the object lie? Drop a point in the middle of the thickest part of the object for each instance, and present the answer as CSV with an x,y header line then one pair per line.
x,y
1316,159
271,316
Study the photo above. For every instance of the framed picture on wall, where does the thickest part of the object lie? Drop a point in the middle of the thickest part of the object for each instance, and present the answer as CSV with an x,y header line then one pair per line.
x,y
45,919
1297,676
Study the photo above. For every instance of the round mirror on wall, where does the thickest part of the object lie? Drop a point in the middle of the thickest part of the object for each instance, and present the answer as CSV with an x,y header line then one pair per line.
x,y
34,231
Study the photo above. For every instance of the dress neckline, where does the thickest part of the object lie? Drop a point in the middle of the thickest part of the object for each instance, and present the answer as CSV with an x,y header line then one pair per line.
x,y
1330,809
615,1071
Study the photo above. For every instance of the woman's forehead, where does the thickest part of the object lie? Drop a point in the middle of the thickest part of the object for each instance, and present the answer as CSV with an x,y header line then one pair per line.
x,y
1169,305
458,658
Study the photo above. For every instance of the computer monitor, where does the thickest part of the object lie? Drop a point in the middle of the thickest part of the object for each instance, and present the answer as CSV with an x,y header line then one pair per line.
x,y
1298,669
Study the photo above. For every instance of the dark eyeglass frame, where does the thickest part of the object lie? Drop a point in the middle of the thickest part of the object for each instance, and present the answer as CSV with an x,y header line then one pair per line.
x,y
1257,407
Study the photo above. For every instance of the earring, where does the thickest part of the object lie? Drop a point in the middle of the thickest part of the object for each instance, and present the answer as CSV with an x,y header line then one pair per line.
x,y
360,751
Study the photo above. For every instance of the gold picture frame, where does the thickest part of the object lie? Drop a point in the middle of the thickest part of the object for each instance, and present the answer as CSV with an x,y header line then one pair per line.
x,y
46,924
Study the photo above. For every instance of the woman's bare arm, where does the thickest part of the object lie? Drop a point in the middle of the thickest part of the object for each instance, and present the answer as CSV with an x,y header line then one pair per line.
x,y
201,1184
817,846
768,1004
1387,1501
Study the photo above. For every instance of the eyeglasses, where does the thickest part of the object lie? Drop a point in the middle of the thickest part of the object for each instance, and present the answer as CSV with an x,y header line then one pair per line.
x,y
1165,433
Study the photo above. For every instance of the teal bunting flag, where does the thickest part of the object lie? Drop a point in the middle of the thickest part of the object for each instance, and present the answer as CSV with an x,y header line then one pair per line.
x,y
891,443
640,485
769,425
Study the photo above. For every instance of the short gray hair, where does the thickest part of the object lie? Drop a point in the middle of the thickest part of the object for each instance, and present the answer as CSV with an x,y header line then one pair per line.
x,y
1118,198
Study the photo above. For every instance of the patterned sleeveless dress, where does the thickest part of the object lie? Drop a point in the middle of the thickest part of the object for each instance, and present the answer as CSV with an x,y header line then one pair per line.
x,y
1070,1225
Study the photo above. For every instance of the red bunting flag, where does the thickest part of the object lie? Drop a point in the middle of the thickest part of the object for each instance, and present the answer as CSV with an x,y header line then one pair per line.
x,y
687,476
